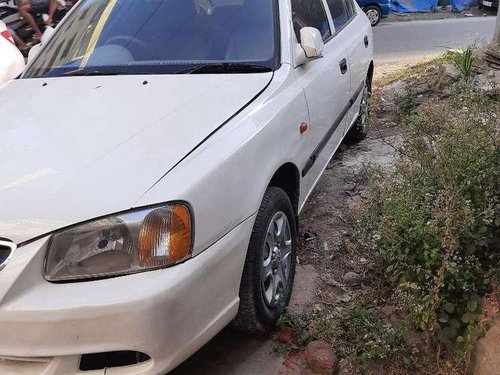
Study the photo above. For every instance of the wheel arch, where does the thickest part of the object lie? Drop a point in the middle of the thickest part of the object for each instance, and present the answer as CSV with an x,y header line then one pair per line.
x,y
371,71
287,177
373,5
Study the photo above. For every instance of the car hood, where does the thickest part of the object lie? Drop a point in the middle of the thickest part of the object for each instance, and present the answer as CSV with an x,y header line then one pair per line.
x,y
76,148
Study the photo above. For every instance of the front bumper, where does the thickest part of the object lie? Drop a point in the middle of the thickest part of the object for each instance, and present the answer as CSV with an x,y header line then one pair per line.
x,y
166,314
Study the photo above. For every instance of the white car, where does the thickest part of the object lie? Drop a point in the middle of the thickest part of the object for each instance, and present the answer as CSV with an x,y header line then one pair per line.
x,y
155,156
11,60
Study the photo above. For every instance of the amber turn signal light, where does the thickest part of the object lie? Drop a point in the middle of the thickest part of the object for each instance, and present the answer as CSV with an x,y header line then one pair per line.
x,y
165,236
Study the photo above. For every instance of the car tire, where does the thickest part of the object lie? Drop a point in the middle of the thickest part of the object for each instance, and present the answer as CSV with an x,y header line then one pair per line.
x,y
269,270
359,130
374,14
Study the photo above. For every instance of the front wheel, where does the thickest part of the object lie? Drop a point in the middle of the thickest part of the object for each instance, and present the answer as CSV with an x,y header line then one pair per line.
x,y
374,14
269,271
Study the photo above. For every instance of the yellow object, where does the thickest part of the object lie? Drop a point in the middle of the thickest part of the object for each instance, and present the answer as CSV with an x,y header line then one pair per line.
x,y
97,32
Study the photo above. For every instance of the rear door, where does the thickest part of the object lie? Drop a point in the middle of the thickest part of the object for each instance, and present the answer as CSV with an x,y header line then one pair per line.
x,y
326,83
356,33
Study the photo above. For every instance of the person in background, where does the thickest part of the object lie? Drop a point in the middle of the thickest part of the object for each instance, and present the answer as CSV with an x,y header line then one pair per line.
x,y
23,47
24,7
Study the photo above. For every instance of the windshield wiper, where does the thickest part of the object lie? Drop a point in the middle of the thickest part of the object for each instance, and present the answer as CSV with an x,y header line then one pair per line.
x,y
211,68
215,68
94,72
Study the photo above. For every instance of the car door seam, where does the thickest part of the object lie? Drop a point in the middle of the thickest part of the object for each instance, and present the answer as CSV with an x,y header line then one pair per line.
x,y
324,141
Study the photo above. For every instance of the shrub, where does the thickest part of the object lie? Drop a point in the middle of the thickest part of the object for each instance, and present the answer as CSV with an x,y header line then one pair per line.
x,y
372,338
355,333
465,62
435,218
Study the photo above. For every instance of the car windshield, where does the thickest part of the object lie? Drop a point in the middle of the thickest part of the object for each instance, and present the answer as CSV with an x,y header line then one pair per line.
x,y
111,37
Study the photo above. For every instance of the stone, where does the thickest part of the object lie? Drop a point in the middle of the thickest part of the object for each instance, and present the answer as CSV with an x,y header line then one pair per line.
x,y
351,278
345,298
487,359
394,91
321,357
451,71
488,83
285,336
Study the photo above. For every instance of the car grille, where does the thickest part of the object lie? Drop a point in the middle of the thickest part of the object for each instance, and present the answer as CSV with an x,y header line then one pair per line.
x,y
6,249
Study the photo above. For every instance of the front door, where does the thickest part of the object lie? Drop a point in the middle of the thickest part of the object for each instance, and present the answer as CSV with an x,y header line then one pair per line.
x,y
327,86
356,32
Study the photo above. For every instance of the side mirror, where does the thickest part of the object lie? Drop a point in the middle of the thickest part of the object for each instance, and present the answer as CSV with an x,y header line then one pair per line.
x,y
311,42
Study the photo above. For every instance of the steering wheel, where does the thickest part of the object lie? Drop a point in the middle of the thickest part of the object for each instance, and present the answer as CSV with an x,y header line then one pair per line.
x,y
140,48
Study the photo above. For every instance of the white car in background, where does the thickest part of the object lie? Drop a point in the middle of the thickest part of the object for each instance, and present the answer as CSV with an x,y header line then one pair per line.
x,y
160,202
11,59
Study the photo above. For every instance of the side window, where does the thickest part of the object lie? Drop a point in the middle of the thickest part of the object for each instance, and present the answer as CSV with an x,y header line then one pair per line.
x,y
351,10
341,11
310,13
352,7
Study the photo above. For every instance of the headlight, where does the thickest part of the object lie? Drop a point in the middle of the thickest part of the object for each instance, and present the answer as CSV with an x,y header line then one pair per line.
x,y
121,244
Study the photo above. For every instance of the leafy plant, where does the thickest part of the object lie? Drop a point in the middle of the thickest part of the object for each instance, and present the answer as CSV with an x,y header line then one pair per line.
x,y
465,62
299,325
435,219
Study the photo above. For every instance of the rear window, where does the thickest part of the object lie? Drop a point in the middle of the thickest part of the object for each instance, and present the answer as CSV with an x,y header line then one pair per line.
x,y
159,36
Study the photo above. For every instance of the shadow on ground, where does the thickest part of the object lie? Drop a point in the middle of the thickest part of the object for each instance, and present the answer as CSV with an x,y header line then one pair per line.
x,y
235,353
232,352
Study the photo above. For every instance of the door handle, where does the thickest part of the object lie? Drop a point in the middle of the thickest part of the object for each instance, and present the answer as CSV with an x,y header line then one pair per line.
x,y
343,66
367,42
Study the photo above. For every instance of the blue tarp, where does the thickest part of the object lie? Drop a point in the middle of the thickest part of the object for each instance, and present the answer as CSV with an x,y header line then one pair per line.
x,y
414,6
461,5
424,6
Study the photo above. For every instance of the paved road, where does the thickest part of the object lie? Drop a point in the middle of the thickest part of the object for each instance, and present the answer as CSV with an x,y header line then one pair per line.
x,y
404,41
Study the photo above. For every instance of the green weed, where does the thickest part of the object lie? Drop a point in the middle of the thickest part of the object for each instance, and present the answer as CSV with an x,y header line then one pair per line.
x,y
435,219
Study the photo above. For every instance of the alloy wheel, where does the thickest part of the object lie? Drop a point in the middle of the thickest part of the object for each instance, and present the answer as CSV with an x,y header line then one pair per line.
x,y
373,16
364,110
276,262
